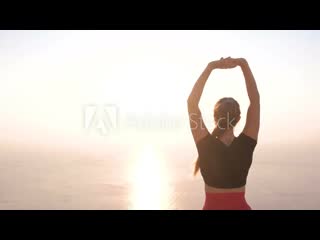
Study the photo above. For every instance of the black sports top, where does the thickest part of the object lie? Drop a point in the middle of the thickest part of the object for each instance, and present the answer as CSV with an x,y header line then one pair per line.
x,y
225,166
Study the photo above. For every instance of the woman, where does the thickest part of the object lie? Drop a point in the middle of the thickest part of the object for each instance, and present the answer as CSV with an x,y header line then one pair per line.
x,y
224,160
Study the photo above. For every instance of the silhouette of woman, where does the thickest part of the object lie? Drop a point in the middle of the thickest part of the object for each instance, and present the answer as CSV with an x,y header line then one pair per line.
x,y
223,159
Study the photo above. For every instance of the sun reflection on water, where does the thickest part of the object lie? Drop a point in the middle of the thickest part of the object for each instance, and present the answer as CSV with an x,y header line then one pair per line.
x,y
150,188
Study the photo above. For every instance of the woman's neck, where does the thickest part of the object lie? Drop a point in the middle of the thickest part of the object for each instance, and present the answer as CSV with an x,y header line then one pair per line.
x,y
227,137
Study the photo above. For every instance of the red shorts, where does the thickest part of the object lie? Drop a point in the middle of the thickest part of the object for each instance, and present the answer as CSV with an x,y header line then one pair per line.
x,y
226,201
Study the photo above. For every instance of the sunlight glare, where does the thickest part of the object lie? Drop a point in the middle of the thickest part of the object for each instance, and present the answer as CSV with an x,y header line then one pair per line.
x,y
150,189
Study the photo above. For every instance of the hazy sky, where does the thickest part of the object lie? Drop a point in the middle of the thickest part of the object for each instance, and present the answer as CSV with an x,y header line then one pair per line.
x,y
48,77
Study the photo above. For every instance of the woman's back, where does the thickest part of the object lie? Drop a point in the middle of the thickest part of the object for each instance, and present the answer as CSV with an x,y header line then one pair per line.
x,y
225,166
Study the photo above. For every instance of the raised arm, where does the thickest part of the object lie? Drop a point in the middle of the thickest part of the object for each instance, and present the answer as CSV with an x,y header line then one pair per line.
x,y
197,125
198,128
252,125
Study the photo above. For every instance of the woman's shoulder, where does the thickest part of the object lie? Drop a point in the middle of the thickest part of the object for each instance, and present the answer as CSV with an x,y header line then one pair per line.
x,y
205,139
247,139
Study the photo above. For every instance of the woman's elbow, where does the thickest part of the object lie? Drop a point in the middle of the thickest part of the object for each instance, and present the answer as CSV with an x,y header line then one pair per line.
x,y
257,98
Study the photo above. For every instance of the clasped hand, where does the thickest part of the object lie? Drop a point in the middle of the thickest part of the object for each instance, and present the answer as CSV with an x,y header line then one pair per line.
x,y
225,63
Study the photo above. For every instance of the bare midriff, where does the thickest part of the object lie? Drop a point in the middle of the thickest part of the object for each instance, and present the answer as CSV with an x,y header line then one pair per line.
x,y
210,189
